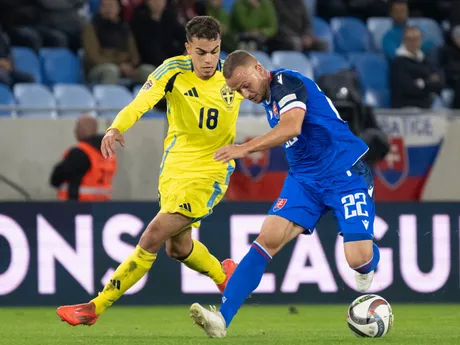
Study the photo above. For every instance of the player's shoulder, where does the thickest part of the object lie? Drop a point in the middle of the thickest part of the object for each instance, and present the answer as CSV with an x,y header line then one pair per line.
x,y
287,82
171,66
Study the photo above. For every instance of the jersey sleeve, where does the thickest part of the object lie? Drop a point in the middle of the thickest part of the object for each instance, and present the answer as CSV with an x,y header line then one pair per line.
x,y
289,92
149,95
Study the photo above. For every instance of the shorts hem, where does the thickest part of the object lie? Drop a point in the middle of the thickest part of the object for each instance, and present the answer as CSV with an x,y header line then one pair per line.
x,y
357,237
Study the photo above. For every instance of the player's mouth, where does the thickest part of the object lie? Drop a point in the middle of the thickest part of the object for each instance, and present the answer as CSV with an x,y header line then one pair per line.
x,y
207,69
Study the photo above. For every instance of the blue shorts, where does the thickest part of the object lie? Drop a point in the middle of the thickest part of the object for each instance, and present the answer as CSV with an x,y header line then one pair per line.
x,y
350,196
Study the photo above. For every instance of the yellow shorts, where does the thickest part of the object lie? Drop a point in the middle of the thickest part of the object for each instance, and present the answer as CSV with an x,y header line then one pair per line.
x,y
194,198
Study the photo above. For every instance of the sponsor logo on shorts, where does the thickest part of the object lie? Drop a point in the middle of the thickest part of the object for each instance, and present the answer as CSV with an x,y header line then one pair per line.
x,y
279,204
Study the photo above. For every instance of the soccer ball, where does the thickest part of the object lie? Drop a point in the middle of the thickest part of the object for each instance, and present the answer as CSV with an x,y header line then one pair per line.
x,y
370,316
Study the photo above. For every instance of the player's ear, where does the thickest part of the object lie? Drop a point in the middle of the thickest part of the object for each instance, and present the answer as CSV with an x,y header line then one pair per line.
x,y
188,48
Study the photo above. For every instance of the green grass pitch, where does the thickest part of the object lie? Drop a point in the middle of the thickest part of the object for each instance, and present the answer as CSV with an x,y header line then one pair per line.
x,y
264,325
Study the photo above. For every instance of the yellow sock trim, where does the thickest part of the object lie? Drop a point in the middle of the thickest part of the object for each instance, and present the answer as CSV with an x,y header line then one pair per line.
x,y
202,261
127,274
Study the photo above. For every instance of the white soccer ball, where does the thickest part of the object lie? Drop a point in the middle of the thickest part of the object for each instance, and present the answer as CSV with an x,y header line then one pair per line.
x,y
370,316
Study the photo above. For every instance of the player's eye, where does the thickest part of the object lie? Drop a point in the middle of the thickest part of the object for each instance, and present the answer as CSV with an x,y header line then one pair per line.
x,y
214,52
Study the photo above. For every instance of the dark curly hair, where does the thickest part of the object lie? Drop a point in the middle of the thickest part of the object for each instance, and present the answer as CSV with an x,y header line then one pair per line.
x,y
203,27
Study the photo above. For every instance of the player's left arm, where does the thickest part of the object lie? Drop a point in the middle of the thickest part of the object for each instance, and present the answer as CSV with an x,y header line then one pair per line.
x,y
291,96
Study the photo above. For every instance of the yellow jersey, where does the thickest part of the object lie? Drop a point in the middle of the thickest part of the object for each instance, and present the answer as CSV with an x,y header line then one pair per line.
x,y
201,114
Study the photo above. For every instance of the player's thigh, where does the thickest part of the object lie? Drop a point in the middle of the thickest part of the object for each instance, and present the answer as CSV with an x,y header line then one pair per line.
x,y
276,232
161,228
352,203
299,204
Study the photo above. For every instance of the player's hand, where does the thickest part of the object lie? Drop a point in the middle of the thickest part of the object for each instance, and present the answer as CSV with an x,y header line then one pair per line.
x,y
229,152
108,147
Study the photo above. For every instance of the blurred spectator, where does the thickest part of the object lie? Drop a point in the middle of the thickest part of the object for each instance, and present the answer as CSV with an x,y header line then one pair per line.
x,y
157,32
413,81
8,75
255,22
188,9
229,39
450,59
110,48
84,174
399,12
295,28
128,8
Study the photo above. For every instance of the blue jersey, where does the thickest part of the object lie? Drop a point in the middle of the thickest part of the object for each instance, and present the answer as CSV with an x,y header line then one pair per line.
x,y
326,146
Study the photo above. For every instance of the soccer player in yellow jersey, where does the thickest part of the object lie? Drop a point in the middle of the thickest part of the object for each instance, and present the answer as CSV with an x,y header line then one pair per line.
x,y
202,113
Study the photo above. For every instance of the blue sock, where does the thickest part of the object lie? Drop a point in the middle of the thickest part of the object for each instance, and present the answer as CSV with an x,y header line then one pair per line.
x,y
371,264
244,280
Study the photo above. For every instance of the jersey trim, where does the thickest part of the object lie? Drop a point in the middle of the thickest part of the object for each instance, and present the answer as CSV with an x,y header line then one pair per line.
x,y
290,106
179,64
166,153
215,194
230,169
170,84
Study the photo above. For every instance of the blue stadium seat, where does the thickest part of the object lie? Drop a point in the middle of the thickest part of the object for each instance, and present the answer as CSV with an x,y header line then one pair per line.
x,y
326,63
94,6
263,58
38,97
350,35
372,69
69,97
378,27
60,65
248,108
6,98
25,60
430,29
110,99
323,31
377,99
293,60
227,5
447,96
223,55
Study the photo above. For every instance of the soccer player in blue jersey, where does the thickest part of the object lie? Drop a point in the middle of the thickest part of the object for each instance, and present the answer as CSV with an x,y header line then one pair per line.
x,y
326,172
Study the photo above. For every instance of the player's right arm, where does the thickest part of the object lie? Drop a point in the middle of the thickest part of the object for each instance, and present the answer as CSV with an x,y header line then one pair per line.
x,y
151,93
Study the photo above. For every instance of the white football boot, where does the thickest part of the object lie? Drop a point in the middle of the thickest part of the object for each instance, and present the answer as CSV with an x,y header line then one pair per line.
x,y
364,281
211,321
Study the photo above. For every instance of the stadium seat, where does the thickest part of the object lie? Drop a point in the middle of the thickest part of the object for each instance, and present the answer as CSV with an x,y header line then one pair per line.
x,y
293,60
60,65
372,69
430,29
94,6
110,99
325,63
70,97
37,97
6,98
447,96
248,108
263,58
25,60
377,99
378,27
223,55
323,31
350,35
227,5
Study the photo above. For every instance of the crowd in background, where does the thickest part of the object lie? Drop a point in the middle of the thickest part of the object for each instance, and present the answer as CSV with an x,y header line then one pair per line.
x,y
127,39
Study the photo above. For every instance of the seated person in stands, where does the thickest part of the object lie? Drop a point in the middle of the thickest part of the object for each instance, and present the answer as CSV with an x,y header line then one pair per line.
x,y
8,75
110,49
450,60
254,21
399,12
414,82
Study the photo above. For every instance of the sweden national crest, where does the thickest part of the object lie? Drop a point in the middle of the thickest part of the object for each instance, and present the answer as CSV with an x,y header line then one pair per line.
x,y
255,164
394,168
227,94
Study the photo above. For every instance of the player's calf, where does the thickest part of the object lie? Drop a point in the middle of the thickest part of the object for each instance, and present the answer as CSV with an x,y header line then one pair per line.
x,y
363,257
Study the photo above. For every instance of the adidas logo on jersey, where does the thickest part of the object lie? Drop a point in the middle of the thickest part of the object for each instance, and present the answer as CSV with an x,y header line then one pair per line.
x,y
186,206
192,92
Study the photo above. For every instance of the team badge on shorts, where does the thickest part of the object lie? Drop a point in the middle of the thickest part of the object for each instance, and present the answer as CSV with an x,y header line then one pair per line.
x,y
148,85
279,204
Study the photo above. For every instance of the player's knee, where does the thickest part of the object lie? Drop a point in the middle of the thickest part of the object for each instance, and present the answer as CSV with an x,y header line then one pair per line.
x,y
358,253
152,239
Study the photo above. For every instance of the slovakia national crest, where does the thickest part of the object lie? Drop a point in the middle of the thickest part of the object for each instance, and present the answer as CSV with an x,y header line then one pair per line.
x,y
394,168
255,164
275,109
279,204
